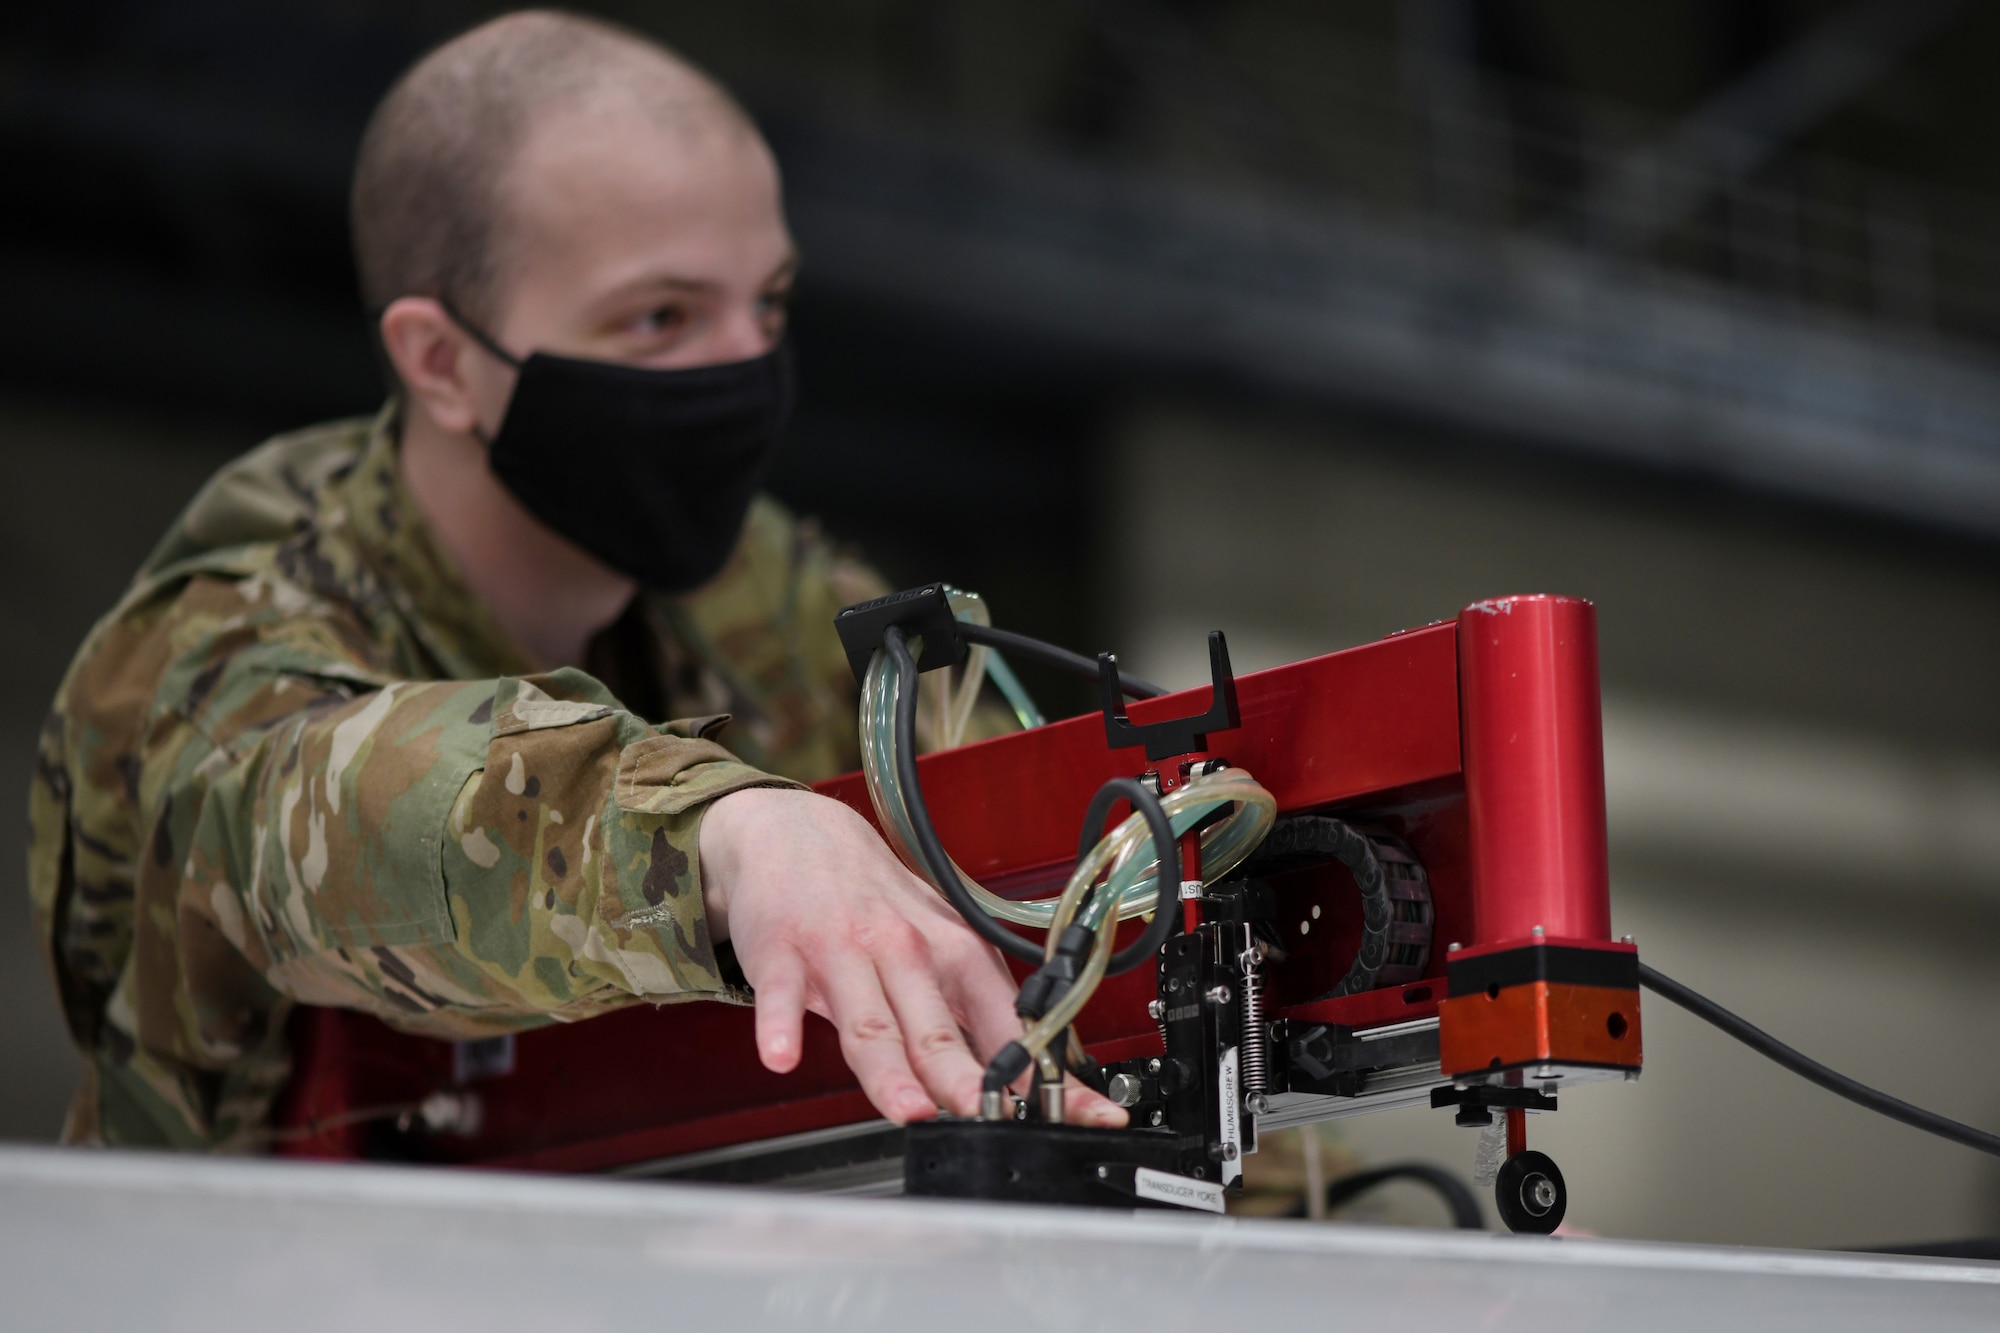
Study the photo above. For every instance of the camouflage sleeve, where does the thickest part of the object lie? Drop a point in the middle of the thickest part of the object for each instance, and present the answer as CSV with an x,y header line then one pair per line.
x,y
456,857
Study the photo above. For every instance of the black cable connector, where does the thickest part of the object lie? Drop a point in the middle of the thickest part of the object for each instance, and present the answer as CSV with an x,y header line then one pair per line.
x,y
1840,1085
1008,1065
1052,980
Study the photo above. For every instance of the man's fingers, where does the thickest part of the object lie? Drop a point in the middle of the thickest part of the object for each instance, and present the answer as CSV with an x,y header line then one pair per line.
x,y
932,1042
984,994
781,1011
871,1039
1081,1106
981,990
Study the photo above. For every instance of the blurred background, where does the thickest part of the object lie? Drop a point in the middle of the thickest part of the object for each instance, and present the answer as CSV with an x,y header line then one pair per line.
x,y
1305,321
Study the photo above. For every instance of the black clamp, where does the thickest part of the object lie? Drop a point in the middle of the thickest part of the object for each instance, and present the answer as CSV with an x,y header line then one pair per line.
x,y
1176,735
923,613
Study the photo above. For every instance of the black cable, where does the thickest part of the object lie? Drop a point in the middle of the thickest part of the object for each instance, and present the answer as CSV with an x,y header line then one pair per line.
x,y
1812,1070
1062,659
1164,847
928,845
1455,1193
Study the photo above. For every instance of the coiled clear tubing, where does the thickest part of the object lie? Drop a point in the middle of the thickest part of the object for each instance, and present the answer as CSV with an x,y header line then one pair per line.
x,y
1122,855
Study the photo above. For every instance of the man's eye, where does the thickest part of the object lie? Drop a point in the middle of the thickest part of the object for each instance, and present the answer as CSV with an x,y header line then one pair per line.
x,y
774,303
666,319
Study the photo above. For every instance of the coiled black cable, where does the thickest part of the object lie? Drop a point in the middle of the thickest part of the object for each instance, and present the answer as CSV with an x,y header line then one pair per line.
x,y
1164,848
1840,1085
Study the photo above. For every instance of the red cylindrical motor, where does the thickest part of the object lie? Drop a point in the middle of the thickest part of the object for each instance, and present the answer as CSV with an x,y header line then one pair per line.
x,y
1532,733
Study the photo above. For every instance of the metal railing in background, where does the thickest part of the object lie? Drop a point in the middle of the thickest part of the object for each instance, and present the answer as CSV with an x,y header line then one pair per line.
x,y
1423,140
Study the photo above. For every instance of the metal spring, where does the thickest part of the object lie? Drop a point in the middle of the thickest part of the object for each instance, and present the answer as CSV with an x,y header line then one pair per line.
x,y
1256,1065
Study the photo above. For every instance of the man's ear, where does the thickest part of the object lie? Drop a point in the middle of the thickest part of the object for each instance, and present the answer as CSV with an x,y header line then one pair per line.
x,y
432,357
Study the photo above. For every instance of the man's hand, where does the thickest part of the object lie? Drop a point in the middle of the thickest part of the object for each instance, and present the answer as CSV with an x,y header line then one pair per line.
x,y
825,918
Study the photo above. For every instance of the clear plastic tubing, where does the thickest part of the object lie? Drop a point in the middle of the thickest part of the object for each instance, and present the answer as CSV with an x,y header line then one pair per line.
x,y
1131,887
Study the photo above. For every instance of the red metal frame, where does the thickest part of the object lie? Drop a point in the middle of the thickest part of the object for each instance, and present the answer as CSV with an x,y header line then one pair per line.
x,y
1476,741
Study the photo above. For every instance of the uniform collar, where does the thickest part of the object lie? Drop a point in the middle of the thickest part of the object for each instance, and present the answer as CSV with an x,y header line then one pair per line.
x,y
426,587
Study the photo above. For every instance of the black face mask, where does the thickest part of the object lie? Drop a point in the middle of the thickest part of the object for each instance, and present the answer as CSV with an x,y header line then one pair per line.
x,y
651,471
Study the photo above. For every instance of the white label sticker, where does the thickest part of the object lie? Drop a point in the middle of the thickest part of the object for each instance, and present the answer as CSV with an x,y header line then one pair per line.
x,y
1190,889
1164,1187
485,1057
1232,1124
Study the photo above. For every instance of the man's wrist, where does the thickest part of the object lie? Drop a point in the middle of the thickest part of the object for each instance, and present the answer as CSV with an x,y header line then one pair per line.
x,y
741,825
725,825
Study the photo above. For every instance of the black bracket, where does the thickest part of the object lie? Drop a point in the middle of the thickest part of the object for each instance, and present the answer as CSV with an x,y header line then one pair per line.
x,y
923,613
1477,1102
1177,735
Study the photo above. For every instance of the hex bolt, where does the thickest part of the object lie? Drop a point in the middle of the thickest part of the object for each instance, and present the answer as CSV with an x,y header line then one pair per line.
x,y
1218,995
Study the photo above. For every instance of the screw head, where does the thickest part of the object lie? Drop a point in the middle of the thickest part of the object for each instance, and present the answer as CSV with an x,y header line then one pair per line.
x,y
1156,1010
1157,1117
1103,1173
1153,1065
1539,1193
1218,995
1257,1103
1538,932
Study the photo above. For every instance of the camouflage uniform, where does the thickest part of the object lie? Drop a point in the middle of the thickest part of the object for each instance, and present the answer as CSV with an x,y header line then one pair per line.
x,y
299,762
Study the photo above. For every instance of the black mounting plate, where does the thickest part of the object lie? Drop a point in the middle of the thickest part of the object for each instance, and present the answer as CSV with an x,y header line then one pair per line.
x,y
1033,1162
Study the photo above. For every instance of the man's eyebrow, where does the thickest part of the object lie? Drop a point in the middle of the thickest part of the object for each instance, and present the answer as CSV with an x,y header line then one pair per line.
x,y
786,268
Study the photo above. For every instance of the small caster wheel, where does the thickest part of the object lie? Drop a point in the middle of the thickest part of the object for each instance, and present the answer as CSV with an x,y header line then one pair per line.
x,y
1530,1193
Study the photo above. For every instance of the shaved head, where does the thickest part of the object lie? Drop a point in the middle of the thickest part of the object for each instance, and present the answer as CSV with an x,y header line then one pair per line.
x,y
431,208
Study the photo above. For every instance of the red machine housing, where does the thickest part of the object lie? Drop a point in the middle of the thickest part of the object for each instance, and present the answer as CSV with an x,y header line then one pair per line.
x,y
1477,742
